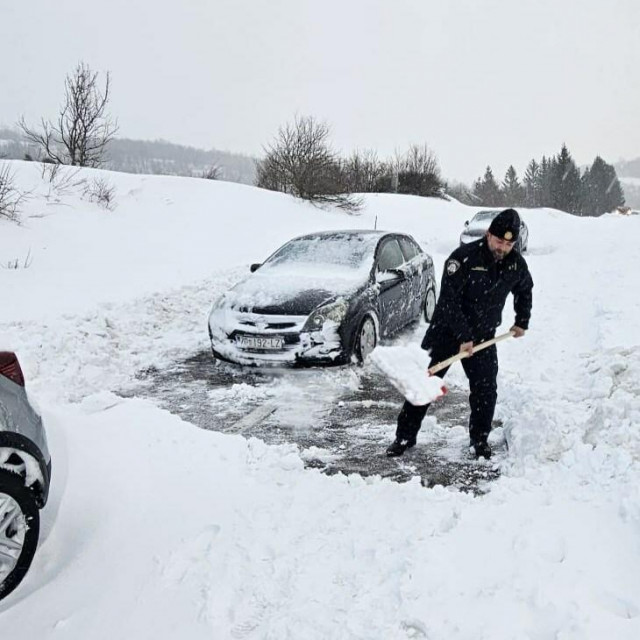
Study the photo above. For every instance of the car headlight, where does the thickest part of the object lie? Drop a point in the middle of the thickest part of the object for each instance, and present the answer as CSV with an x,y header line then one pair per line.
x,y
334,311
220,303
219,316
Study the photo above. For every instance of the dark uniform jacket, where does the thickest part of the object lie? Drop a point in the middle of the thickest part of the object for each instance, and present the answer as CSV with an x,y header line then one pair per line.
x,y
473,293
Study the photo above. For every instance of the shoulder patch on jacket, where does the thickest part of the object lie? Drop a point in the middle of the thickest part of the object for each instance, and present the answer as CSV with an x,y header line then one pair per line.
x,y
452,266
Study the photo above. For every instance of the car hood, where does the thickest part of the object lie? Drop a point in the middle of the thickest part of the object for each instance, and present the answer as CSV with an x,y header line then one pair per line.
x,y
292,292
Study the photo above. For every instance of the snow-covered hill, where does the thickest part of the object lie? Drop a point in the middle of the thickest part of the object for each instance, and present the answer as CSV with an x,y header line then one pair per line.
x,y
156,529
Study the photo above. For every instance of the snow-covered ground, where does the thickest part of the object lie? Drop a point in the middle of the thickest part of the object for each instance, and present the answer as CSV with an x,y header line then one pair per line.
x,y
157,529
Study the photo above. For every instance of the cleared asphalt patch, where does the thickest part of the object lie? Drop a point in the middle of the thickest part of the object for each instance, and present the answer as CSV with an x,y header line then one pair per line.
x,y
341,418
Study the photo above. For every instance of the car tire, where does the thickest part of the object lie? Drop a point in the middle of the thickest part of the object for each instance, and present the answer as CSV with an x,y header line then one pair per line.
x,y
19,536
429,304
366,338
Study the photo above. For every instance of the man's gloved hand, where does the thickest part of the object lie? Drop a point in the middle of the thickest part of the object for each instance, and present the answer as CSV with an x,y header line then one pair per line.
x,y
468,347
517,331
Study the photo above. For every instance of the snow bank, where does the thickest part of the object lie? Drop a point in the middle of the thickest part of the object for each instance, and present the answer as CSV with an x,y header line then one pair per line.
x,y
158,529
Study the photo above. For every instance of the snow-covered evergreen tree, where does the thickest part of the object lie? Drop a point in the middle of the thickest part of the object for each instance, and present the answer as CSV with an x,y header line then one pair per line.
x,y
601,190
512,191
533,185
487,190
566,185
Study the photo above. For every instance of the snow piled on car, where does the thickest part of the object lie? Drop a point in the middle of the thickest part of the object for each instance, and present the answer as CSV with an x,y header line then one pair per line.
x,y
276,284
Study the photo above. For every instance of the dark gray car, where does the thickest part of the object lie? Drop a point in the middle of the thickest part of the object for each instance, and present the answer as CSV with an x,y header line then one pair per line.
x,y
25,472
324,298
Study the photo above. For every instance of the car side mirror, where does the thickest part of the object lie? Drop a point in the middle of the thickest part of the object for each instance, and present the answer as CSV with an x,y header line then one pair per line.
x,y
466,224
255,266
390,275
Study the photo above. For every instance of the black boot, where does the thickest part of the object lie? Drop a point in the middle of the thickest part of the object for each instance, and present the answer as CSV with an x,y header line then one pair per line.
x,y
482,450
399,446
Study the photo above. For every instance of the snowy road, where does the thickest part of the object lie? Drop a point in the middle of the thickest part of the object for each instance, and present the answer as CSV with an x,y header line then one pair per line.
x,y
342,419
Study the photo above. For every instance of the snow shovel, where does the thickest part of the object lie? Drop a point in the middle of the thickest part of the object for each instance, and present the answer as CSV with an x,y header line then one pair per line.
x,y
460,356
405,368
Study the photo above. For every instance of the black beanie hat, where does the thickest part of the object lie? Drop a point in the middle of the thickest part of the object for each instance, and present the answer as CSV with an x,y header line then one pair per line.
x,y
506,225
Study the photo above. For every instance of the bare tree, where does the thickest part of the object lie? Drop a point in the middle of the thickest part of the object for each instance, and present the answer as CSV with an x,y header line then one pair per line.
x,y
419,172
365,173
212,172
11,198
83,129
102,192
300,162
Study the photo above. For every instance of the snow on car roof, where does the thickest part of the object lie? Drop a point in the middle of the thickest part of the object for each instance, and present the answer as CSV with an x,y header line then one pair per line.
x,y
344,232
350,249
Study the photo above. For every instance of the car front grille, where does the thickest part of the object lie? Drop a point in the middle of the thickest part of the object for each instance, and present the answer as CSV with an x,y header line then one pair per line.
x,y
269,325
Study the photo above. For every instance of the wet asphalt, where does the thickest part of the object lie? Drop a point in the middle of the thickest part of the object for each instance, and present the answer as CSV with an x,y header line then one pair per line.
x,y
341,418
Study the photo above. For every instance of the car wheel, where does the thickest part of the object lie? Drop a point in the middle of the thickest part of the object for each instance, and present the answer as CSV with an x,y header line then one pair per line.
x,y
429,304
19,531
367,339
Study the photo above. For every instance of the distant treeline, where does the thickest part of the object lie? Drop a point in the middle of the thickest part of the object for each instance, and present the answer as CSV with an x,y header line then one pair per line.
x,y
301,161
152,157
628,168
554,182
161,157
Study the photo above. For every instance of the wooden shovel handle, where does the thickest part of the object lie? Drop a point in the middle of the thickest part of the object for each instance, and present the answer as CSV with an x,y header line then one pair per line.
x,y
460,356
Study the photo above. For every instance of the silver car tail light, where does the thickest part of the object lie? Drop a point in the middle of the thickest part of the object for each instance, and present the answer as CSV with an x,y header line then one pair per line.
x,y
10,367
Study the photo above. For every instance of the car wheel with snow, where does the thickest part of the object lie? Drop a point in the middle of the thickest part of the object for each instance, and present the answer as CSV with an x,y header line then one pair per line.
x,y
19,530
366,339
429,304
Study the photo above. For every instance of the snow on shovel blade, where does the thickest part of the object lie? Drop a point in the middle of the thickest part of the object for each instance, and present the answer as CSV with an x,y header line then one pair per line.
x,y
407,370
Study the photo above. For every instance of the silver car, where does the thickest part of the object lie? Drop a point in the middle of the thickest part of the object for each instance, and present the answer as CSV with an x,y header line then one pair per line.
x,y
475,229
25,472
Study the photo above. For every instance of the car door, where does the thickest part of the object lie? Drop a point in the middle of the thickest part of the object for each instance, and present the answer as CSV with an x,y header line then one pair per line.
x,y
414,268
393,284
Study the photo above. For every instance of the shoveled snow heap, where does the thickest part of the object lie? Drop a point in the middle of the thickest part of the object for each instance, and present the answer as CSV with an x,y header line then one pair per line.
x,y
407,369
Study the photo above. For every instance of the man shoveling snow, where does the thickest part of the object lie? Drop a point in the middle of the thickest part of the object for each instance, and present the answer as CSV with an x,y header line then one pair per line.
x,y
476,281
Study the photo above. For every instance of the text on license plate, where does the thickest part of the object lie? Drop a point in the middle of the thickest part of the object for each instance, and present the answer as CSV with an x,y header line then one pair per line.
x,y
260,342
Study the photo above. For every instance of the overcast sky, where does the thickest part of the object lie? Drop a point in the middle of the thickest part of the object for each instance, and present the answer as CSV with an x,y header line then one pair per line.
x,y
482,82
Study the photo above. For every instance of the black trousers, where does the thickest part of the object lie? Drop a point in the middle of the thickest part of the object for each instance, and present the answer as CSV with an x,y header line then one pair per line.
x,y
481,370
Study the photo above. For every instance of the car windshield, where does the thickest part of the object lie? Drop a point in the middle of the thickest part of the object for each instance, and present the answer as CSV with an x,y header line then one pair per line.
x,y
485,215
344,250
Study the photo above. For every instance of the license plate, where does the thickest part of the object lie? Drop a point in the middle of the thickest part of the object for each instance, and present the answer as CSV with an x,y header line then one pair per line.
x,y
260,342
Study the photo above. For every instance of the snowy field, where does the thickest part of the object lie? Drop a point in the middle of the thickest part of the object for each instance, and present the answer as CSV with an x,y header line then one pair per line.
x,y
158,529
